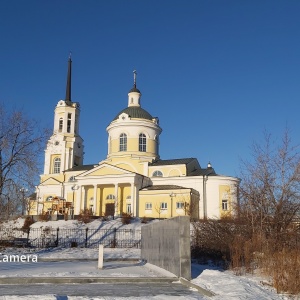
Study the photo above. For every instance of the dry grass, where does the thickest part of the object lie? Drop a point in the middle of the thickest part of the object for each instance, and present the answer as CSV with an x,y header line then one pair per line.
x,y
248,251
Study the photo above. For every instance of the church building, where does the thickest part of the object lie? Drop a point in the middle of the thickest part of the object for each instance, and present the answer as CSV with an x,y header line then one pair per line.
x,y
132,179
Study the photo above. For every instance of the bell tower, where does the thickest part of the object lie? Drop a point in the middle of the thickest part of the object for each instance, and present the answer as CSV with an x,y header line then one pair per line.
x,y
65,147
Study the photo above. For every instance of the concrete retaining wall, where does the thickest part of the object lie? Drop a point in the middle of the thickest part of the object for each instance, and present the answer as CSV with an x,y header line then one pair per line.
x,y
166,244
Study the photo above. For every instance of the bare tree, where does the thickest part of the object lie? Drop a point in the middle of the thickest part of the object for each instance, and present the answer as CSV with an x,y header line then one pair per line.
x,y
158,209
270,186
21,145
265,232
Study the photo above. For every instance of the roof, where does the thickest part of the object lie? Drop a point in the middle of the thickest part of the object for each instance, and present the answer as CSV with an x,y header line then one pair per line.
x,y
82,168
32,196
178,161
135,112
164,187
203,172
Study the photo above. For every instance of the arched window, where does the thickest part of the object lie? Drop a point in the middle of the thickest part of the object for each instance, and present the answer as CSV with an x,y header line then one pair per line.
x,y
60,124
110,197
157,174
56,165
142,142
123,142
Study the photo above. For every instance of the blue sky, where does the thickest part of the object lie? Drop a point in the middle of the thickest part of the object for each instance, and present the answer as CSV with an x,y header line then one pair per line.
x,y
216,73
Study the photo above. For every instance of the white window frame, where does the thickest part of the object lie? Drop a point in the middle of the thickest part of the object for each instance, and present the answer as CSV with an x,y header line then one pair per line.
x,y
142,142
179,205
56,165
123,142
148,205
110,197
163,205
225,204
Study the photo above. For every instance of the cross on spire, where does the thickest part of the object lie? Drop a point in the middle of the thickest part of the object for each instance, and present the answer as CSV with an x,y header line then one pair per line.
x,y
134,78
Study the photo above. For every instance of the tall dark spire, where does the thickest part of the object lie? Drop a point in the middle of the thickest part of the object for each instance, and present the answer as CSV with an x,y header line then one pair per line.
x,y
68,87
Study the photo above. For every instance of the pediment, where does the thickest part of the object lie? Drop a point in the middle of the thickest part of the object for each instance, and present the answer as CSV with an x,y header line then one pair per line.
x,y
50,181
105,170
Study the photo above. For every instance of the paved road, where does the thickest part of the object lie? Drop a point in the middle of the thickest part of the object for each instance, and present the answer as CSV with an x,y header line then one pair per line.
x,y
62,291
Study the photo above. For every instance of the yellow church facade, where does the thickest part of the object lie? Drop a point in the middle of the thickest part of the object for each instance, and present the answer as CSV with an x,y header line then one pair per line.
x,y
132,179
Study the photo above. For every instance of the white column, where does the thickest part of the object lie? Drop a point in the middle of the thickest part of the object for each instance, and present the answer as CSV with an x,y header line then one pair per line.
x,y
78,193
95,200
132,199
136,201
117,202
100,202
71,158
73,122
62,159
65,122
83,197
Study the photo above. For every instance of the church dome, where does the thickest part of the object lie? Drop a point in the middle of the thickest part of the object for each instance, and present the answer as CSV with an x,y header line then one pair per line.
x,y
135,112
134,90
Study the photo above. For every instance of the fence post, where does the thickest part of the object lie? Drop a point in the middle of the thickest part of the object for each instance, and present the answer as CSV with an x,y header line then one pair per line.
x,y
28,232
86,237
57,230
115,238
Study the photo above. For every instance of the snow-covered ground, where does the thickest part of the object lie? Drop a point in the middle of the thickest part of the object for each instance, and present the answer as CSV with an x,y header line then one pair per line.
x,y
224,284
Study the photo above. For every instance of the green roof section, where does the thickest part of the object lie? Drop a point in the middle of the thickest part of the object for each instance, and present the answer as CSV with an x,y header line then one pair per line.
x,y
203,172
135,112
165,162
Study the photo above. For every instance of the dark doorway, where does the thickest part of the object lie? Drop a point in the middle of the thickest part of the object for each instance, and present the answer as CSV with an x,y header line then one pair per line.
x,y
109,209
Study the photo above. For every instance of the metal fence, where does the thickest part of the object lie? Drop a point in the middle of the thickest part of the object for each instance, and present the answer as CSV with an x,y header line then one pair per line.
x,y
49,237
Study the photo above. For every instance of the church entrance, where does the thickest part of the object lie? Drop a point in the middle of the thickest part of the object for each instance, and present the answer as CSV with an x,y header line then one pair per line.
x,y
109,209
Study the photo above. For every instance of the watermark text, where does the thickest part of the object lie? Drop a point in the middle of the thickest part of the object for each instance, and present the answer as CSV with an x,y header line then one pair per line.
x,y
18,258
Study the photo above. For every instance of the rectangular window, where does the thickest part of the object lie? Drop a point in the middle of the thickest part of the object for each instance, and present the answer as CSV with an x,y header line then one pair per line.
x,y
179,205
164,205
56,168
69,123
148,205
128,208
224,205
